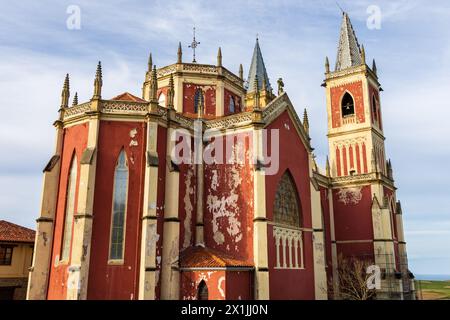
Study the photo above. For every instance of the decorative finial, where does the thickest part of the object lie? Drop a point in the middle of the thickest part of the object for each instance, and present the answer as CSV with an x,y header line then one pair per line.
x,y
219,57
75,99
154,86
179,54
65,94
256,94
327,168
150,62
194,45
306,121
170,93
363,55
327,65
98,82
374,67
241,72
280,86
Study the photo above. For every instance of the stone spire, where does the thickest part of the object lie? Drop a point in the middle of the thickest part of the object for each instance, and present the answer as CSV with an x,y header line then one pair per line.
x,y
65,94
219,57
306,121
98,82
75,99
154,86
150,63
327,168
170,93
257,71
179,54
241,72
349,52
256,103
374,67
327,65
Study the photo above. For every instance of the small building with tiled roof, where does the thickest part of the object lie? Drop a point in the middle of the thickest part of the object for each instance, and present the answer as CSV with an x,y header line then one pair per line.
x,y
16,252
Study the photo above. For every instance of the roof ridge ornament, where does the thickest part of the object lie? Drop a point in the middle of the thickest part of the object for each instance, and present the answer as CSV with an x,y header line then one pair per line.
x,y
194,44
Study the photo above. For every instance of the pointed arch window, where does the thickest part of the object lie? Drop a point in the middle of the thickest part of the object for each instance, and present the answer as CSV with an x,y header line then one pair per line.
x,y
198,100
231,107
162,100
70,209
287,209
119,208
202,291
374,108
347,105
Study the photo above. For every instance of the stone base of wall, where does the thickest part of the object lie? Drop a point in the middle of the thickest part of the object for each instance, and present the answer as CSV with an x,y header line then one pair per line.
x,y
19,285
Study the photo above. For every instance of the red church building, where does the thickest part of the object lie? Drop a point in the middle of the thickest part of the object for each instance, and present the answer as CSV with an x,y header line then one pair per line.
x,y
206,187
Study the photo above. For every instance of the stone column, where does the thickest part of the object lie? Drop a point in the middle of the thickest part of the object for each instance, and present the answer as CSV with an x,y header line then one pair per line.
x,y
147,272
77,283
39,272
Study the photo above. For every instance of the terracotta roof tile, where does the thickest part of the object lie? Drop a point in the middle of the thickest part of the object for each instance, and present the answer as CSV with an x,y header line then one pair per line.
x,y
14,233
126,96
201,257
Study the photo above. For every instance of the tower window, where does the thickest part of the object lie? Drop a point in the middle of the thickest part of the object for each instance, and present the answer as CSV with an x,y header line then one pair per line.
x,y
6,255
374,108
70,208
347,106
119,208
202,291
231,107
287,210
198,100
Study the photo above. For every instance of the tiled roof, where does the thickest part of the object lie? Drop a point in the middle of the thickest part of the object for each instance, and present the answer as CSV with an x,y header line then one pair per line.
x,y
201,257
14,233
126,96
349,52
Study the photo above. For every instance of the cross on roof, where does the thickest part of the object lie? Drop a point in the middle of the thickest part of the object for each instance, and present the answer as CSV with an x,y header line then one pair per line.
x,y
194,45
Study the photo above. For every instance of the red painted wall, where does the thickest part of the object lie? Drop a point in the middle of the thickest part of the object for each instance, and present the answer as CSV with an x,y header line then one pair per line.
x,y
228,203
209,93
117,281
215,281
293,155
239,285
337,93
75,141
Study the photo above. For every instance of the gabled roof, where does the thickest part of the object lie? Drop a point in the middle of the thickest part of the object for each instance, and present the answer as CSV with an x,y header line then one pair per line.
x,y
349,52
11,232
201,257
257,68
126,96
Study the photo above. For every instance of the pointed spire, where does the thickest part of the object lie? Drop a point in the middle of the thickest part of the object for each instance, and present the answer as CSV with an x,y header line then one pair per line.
x,y
327,168
257,68
75,99
170,93
374,67
150,63
363,55
65,94
349,53
306,121
327,65
154,86
219,57
179,54
98,82
241,72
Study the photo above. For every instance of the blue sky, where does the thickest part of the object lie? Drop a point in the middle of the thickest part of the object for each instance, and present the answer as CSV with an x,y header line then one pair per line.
x,y
412,50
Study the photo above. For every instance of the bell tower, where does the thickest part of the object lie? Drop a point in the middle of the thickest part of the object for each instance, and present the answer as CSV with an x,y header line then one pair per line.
x,y
355,129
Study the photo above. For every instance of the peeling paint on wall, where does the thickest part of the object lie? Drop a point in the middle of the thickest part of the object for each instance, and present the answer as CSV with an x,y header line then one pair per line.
x,y
188,208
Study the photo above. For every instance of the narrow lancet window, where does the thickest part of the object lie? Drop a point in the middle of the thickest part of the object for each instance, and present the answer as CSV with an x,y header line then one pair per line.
x,y
202,293
119,208
231,107
70,208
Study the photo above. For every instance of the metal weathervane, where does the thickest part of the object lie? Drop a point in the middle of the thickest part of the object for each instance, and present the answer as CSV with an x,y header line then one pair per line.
x,y
194,45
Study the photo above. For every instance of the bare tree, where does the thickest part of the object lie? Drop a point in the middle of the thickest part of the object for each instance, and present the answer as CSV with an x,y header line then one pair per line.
x,y
352,278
